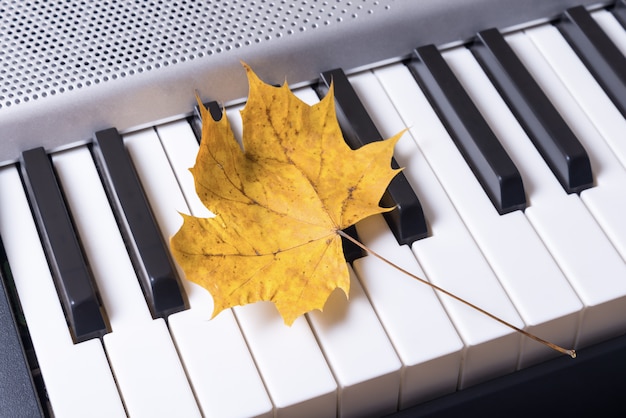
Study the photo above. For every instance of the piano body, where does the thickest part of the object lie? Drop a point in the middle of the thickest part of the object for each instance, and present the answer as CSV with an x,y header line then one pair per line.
x,y
97,133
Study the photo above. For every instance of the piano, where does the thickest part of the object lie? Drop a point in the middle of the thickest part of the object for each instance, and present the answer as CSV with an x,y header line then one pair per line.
x,y
512,197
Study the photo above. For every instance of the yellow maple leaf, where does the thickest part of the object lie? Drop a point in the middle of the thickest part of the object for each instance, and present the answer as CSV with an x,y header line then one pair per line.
x,y
279,203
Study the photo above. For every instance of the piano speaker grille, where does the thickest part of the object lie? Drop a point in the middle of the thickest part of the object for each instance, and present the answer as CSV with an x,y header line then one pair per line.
x,y
53,47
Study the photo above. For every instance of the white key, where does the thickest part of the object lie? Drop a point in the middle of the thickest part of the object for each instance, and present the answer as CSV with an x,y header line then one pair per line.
x,y
612,28
528,272
431,367
142,355
218,363
181,148
418,326
359,353
293,367
356,347
450,258
294,370
422,334
77,376
589,261
592,265
606,201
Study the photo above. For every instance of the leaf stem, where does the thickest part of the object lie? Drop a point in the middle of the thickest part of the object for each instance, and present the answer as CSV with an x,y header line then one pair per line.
x,y
569,352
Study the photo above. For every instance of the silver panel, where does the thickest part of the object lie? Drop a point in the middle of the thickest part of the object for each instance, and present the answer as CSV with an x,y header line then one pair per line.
x,y
68,68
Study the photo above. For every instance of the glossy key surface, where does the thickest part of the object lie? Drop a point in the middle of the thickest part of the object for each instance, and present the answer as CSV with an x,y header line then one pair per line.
x,y
408,310
148,250
70,271
591,114
575,239
450,258
546,128
583,87
362,358
471,134
511,245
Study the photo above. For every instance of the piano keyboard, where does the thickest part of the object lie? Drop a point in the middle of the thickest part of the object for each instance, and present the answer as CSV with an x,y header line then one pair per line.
x,y
106,328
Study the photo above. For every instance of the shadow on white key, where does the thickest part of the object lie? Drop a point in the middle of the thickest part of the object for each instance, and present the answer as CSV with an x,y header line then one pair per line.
x,y
589,260
291,362
595,129
221,370
541,293
292,365
141,352
359,353
450,258
78,378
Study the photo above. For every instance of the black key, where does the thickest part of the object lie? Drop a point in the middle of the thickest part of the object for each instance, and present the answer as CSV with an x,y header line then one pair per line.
x,y
558,145
149,253
407,220
18,396
619,11
475,140
71,274
350,250
196,119
596,50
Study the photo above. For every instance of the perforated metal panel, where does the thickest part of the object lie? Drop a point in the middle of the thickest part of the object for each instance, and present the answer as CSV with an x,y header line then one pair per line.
x,y
49,47
70,67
